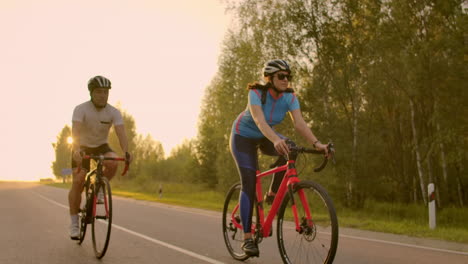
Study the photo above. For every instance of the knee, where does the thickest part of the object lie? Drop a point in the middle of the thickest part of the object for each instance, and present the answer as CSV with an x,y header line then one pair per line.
x,y
110,164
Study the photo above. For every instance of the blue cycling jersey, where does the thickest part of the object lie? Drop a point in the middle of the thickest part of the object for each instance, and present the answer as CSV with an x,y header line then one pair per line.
x,y
274,109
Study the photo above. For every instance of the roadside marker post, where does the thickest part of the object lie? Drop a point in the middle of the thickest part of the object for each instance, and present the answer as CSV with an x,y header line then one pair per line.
x,y
431,206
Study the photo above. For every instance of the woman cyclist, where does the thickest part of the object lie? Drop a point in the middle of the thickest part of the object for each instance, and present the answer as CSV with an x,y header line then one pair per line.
x,y
267,105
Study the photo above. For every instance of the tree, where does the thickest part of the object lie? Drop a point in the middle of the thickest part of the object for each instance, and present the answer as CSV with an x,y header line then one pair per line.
x,y
225,98
130,131
182,165
62,152
148,154
381,78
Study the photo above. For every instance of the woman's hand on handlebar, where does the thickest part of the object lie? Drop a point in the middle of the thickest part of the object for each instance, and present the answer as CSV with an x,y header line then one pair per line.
x,y
323,147
281,146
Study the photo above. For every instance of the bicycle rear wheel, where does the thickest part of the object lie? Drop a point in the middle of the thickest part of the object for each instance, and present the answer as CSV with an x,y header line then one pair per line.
x,y
232,226
85,213
233,232
102,218
316,240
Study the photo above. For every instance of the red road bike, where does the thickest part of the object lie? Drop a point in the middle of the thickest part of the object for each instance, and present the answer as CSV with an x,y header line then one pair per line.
x,y
307,225
97,211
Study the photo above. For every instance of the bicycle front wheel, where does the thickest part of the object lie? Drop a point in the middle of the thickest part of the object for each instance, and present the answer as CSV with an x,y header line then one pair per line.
x,y
315,238
102,217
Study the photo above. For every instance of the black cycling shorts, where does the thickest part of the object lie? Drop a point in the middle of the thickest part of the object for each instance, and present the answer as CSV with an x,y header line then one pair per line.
x,y
102,149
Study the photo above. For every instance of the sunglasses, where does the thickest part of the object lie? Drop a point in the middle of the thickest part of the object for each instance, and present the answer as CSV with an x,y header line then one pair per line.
x,y
281,76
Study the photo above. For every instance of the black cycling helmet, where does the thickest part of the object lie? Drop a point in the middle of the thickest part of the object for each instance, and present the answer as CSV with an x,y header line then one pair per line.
x,y
98,82
274,66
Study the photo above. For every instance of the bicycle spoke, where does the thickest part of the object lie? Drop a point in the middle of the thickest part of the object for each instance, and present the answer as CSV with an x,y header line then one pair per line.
x,y
232,228
102,219
83,225
315,238
83,215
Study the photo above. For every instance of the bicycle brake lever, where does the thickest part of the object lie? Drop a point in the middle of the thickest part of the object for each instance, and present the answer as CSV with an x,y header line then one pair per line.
x,y
127,163
331,150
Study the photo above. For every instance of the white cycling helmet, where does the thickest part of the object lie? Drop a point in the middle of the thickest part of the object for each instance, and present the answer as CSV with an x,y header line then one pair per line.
x,y
274,66
98,82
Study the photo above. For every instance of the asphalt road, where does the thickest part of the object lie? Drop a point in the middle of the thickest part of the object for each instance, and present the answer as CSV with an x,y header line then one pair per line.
x,y
34,229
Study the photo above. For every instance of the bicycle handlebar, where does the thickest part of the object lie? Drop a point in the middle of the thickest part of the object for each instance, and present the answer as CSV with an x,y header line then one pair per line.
x,y
298,149
102,158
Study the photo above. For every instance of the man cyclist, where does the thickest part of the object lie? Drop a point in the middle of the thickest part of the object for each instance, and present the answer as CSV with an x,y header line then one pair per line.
x,y
91,123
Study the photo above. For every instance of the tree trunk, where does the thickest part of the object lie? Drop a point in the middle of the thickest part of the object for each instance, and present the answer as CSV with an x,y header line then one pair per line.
x,y
433,179
460,191
418,155
350,191
459,182
444,164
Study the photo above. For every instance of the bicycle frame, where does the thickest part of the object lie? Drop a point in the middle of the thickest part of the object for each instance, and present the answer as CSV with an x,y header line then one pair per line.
x,y
93,209
286,186
294,204
98,171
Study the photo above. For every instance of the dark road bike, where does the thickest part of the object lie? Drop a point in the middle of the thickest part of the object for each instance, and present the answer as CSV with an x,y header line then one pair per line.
x,y
307,225
97,209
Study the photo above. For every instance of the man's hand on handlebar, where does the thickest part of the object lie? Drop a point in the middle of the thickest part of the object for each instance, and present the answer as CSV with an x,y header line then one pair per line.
x,y
78,157
128,157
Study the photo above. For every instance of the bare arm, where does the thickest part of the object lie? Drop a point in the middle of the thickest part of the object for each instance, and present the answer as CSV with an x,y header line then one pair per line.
x,y
267,131
301,127
76,127
120,131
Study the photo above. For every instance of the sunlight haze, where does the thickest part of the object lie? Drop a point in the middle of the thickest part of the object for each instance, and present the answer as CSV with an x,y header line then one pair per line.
x,y
159,55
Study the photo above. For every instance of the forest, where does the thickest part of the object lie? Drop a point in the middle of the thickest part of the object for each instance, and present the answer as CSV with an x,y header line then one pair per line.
x,y
384,80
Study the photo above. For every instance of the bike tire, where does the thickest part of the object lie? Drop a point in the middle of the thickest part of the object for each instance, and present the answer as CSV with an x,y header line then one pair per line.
x,y
233,233
84,215
317,240
102,218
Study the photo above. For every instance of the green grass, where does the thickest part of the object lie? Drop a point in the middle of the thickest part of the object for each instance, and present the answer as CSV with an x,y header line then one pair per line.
x,y
411,220
407,227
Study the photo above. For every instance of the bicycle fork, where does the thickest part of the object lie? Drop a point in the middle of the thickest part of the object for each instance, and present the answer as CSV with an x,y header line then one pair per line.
x,y
293,180
98,187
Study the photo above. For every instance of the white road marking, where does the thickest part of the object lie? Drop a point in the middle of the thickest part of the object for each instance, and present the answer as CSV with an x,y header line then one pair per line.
x,y
406,245
156,241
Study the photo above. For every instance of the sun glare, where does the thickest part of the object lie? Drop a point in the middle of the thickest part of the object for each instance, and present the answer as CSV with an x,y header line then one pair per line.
x,y
69,140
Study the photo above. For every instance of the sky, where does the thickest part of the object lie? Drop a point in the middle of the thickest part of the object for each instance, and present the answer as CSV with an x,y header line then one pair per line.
x,y
160,56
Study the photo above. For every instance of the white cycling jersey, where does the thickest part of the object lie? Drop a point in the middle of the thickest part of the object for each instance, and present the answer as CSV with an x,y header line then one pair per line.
x,y
95,123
